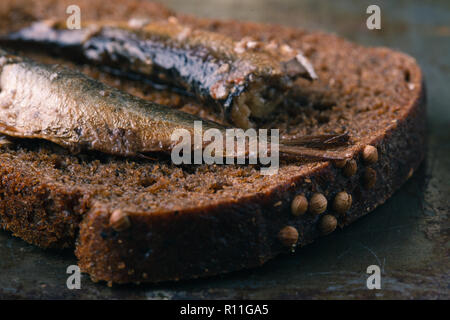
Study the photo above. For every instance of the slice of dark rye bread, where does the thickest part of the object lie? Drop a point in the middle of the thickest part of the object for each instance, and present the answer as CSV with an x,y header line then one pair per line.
x,y
196,221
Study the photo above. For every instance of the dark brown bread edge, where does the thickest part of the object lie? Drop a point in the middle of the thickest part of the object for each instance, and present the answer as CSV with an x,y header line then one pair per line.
x,y
40,213
244,234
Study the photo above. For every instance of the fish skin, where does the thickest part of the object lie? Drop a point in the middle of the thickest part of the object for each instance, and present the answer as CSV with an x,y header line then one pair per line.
x,y
202,63
68,108
64,106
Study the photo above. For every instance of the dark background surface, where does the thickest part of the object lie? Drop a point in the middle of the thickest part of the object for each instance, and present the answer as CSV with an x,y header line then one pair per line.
x,y
408,236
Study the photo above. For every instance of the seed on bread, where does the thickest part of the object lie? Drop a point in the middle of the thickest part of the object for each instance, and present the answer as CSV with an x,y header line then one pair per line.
x,y
370,177
342,202
350,168
370,154
327,224
299,205
318,203
288,236
119,220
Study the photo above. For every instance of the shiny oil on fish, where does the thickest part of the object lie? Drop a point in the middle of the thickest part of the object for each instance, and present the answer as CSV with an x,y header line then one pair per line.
x,y
72,110
240,78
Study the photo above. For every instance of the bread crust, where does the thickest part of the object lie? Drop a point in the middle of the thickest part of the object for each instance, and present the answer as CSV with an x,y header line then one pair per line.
x,y
232,236
223,236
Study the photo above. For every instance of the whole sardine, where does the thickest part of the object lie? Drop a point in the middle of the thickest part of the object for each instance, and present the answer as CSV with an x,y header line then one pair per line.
x,y
241,78
70,109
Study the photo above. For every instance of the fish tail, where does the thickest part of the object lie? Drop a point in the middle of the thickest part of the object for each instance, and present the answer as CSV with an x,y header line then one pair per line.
x,y
314,154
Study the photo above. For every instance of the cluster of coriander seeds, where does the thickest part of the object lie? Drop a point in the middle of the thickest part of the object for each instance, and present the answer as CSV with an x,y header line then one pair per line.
x,y
349,167
316,205
370,157
341,204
